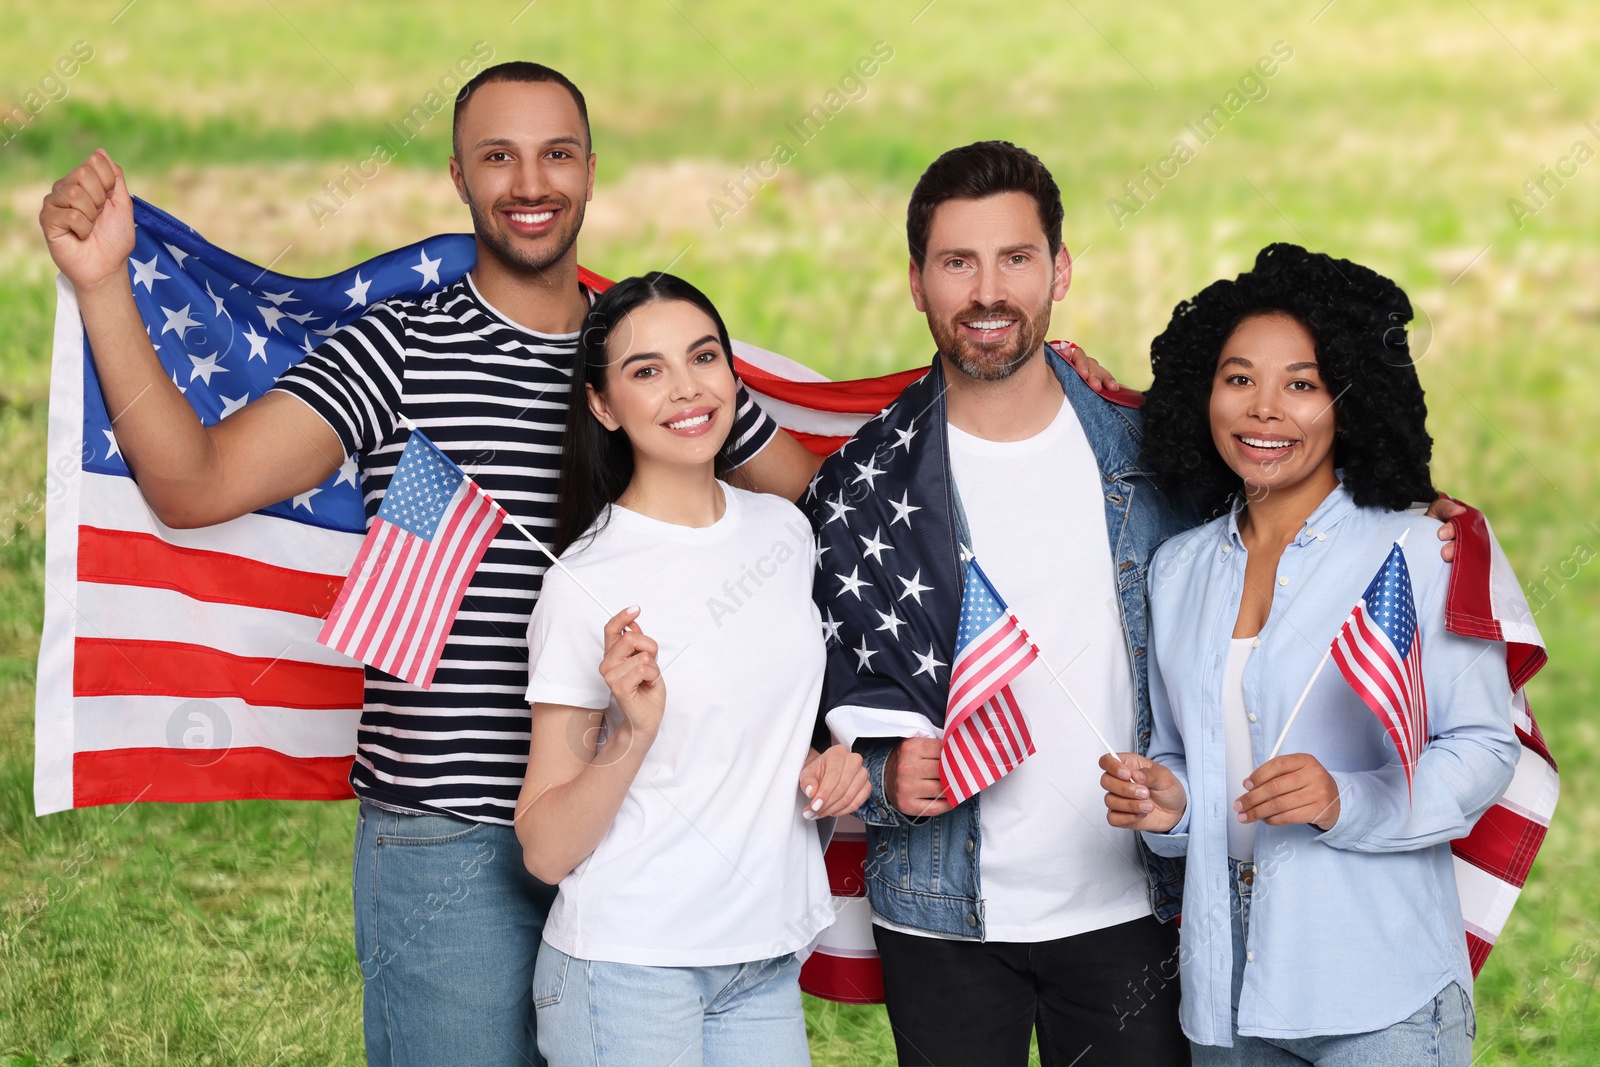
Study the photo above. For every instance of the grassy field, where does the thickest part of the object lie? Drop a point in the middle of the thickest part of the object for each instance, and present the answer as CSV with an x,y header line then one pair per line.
x,y
1398,135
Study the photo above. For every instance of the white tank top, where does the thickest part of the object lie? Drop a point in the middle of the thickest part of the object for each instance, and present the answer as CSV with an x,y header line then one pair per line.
x,y
1236,740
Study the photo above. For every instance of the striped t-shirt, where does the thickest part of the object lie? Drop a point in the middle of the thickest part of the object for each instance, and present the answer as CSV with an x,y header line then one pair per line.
x,y
493,396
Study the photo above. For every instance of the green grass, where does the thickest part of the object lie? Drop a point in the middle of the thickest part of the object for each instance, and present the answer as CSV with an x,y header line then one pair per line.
x,y
1396,134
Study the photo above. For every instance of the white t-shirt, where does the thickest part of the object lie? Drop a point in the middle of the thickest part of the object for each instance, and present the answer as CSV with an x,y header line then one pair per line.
x,y
709,860
1050,866
1237,755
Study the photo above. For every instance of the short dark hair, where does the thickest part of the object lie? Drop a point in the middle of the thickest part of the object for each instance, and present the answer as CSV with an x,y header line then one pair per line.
x,y
518,70
597,463
1356,318
976,171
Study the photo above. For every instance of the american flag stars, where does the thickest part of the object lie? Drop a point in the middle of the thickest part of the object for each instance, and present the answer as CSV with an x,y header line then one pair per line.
x,y
903,510
869,472
840,509
914,587
146,274
178,320
830,627
891,622
929,663
852,583
871,546
224,331
904,437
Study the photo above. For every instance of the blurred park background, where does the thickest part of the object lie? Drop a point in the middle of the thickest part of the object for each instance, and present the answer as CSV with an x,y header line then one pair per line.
x,y
1449,144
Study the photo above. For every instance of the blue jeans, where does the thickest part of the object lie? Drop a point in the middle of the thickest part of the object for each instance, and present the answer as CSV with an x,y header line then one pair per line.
x,y
625,1015
1439,1034
447,932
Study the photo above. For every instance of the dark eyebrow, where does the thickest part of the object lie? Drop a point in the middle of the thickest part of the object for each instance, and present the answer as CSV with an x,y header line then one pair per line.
x,y
637,356
1245,363
1304,366
711,337
1026,246
506,142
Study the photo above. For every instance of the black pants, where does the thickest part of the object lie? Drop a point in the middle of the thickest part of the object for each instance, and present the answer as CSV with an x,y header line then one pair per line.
x,y
1105,997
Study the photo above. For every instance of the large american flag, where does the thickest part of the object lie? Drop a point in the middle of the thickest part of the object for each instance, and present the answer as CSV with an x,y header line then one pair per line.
x,y
183,665
1379,652
430,533
985,731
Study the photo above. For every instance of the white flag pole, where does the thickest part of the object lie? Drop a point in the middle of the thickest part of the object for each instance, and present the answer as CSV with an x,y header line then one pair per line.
x,y
1323,662
540,545
1303,694
1063,685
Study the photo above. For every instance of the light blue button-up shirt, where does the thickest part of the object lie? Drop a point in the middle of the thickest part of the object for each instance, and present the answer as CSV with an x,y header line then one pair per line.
x,y
1356,928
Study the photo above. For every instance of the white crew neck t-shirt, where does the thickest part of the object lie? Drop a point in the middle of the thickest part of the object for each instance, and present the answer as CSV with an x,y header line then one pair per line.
x,y
1237,754
1049,865
709,860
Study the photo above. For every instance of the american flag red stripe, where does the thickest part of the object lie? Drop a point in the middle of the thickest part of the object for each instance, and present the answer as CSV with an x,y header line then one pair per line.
x,y
123,557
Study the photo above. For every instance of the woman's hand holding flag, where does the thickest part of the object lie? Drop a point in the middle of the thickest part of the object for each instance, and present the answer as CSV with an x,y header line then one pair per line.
x,y
1141,794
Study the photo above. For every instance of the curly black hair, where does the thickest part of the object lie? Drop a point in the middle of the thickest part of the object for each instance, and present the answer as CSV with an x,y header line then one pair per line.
x,y
1357,319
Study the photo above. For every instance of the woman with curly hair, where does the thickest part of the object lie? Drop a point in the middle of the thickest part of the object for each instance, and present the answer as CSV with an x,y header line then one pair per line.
x,y
1321,922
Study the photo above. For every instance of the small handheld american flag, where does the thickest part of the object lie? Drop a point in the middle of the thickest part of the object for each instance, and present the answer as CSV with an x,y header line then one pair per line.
x,y
1379,652
405,587
985,733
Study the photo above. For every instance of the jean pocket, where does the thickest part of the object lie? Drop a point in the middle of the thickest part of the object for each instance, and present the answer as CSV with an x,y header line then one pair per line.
x,y
549,976
415,830
1467,1011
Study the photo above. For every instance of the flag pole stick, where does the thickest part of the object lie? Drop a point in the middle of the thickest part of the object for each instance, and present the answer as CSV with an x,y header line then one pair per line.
x,y
1303,694
553,559
540,545
1063,685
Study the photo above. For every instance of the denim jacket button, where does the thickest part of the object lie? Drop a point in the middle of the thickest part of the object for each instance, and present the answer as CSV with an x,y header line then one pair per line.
x,y
972,919
971,848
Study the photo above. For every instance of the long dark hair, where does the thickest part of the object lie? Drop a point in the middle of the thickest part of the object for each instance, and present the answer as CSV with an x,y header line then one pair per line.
x,y
1357,318
597,463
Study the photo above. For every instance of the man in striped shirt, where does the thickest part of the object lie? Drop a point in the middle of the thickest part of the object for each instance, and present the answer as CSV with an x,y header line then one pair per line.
x,y
447,919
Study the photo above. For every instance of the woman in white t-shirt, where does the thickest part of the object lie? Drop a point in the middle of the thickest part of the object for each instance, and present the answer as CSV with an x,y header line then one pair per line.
x,y
679,830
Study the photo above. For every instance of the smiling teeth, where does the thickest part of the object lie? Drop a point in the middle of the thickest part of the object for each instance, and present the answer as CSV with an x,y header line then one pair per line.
x,y
990,324
1255,442
531,219
685,424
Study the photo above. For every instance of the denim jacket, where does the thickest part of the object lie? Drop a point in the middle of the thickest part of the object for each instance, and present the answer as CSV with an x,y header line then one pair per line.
x,y
925,873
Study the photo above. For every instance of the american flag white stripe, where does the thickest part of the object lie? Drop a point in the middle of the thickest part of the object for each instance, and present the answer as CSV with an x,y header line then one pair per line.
x,y
1001,652
989,743
428,642
1377,676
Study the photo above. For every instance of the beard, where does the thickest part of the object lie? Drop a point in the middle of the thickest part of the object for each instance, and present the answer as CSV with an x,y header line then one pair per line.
x,y
505,247
991,362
